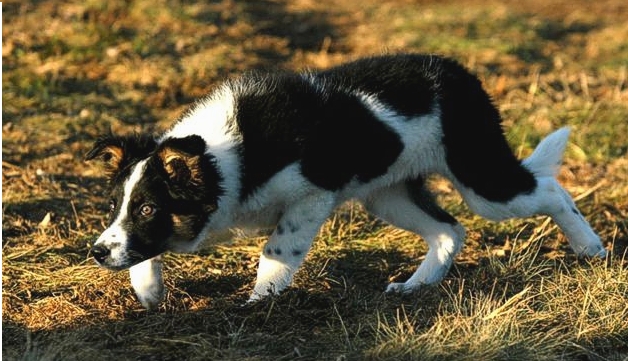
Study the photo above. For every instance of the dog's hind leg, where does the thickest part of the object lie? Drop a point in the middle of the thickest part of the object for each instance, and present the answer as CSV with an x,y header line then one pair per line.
x,y
411,207
289,243
147,282
546,197
561,208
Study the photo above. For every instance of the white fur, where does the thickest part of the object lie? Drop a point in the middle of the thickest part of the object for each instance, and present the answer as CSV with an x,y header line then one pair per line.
x,y
548,198
212,119
115,237
285,250
147,281
547,157
445,240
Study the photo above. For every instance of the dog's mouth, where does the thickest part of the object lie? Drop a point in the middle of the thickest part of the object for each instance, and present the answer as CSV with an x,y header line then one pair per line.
x,y
123,260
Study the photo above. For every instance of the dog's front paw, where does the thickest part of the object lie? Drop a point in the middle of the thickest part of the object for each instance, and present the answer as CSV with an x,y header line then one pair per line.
x,y
147,281
255,297
258,296
150,297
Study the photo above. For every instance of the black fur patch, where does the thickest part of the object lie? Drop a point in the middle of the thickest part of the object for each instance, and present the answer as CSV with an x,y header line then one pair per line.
x,y
476,150
331,133
348,142
404,82
473,137
130,149
273,121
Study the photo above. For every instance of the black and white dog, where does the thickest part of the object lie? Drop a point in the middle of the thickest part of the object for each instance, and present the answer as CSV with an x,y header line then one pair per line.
x,y
283,150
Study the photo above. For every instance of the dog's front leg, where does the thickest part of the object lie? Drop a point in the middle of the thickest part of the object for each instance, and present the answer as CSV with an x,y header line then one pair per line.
x,y
289,243
147,281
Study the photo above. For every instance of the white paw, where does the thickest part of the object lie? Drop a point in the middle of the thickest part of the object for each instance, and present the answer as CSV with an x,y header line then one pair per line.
x,y
601,253
261,292
593,250
402,288
147,281
255,297
150,297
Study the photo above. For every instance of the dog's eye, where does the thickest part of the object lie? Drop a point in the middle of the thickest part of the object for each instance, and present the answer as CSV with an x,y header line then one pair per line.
x,y
147,210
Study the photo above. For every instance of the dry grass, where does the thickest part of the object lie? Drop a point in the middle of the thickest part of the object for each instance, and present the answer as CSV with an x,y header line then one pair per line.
x,y
535,309
72,70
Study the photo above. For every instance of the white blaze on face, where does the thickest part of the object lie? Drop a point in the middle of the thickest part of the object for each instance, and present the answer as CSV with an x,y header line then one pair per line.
x,y
115,237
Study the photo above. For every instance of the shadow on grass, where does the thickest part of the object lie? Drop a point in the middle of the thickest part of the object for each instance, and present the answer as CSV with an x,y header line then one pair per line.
x,y
309,316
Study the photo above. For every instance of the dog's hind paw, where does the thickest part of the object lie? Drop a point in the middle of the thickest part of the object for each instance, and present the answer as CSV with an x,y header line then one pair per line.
x,y
595,250
402,288
598,251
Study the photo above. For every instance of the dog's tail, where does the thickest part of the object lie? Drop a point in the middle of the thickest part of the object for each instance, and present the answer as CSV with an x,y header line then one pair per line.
x,y
546,159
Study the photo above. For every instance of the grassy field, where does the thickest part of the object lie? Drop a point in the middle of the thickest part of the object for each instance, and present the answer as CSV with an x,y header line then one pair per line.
x,y
75,69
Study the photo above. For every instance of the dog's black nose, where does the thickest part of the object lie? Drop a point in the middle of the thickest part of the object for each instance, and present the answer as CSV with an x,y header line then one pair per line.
x,y
100,253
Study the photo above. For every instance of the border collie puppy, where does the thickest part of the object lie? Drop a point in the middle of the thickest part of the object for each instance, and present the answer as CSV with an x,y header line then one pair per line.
x,y
284,150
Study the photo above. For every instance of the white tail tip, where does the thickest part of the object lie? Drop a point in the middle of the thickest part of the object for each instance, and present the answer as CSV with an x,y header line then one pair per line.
x,y
546,159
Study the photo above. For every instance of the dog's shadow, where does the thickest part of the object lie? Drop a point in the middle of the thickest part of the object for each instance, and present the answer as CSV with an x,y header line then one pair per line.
x,y
212,286
345,273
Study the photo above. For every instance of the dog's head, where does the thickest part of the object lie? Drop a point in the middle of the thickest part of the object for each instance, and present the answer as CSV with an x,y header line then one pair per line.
x,y
161,196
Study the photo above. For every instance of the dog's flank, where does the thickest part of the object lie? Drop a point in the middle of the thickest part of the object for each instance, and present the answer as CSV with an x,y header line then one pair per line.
x,y
284,150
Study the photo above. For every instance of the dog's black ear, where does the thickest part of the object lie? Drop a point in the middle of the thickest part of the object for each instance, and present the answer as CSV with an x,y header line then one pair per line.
x,y
184,162
190,170
117,152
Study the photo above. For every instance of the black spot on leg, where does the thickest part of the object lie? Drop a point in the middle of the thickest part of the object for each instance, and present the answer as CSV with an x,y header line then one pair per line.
x,y
270,251
287,226
293,227
297,252
575,211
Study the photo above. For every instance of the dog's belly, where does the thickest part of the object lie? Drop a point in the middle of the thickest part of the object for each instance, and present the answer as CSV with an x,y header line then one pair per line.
x,y
264,218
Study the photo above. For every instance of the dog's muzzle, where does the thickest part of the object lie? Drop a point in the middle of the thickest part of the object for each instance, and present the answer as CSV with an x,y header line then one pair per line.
x,y
115,256
101,253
